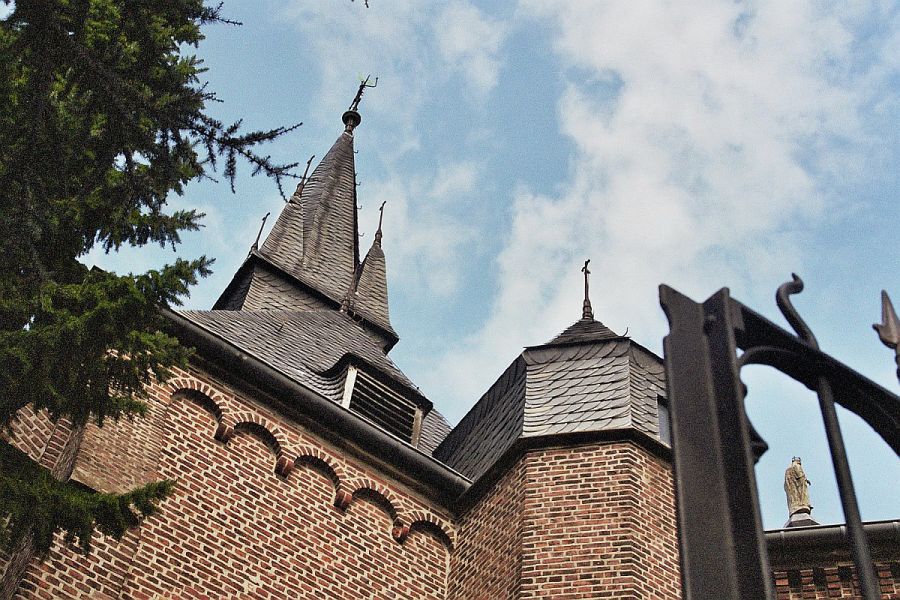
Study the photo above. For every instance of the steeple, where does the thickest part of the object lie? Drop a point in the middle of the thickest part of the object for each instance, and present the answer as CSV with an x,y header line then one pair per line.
x,y
371,297
586,329
310,259
315,237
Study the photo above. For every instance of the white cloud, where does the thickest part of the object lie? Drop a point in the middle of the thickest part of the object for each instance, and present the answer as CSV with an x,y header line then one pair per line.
x,y
423,238
470,44
705,135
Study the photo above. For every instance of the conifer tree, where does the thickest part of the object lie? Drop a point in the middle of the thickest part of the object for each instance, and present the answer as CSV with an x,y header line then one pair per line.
x,y
102,115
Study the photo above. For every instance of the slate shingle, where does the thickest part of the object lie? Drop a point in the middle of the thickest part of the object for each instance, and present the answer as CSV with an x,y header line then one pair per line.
x,y
586,379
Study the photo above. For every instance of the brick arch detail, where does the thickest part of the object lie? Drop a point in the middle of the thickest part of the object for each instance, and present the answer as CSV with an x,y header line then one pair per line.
x,y
427,522
217,402
306,454
273,437
352,487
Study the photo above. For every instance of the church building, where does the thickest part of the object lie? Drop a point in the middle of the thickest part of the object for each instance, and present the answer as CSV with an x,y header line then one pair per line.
x,y
308,465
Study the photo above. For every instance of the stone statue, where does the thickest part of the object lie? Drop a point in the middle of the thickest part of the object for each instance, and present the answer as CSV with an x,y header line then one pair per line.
x,y
796,486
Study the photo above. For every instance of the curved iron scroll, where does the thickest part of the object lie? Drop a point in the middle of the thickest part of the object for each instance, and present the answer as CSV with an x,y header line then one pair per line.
x,y
714,443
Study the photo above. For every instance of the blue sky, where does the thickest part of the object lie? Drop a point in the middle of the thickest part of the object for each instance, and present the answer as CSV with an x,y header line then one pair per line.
x,y
701,144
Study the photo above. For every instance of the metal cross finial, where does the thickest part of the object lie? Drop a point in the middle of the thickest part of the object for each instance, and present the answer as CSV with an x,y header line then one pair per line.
x,y
261,225
586,311
380,217
354,106
889,328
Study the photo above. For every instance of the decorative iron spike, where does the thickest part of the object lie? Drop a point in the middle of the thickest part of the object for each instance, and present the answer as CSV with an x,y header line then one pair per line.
x,y
380,218
586,311
889,328
299,191
255,245
782,298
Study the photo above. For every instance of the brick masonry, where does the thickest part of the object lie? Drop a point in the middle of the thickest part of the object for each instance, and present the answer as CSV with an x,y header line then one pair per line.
x,y
263,508
267,510
588,521
833,582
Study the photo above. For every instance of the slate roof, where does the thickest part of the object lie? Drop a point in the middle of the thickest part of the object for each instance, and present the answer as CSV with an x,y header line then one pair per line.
x,y
314,238
304,345
434,429
371,297
315,246
586,379
584,330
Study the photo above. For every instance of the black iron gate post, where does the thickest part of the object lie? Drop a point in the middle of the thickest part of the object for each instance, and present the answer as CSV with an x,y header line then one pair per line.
x,y
715,448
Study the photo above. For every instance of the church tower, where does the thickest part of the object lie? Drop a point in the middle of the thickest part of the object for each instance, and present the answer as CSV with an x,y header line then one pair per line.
x,y
305,300
310,260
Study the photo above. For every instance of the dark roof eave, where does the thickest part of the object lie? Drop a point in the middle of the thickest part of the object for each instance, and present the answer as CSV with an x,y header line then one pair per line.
x,y
415,468
802,547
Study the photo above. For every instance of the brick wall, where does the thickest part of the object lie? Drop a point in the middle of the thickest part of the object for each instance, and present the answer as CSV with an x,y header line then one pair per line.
x,y
833,582
600,522
262,508
488,557
590,521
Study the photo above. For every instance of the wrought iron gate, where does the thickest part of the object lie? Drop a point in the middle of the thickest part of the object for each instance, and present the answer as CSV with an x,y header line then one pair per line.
x,y
715,447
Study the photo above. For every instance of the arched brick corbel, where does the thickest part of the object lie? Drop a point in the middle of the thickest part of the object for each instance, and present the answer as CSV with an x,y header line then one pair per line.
x,y
193,390
342,499
427,522
224,432
284,466
400,532
324,463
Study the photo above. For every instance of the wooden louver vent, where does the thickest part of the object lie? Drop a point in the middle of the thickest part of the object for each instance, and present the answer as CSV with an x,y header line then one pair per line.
x,y
383,406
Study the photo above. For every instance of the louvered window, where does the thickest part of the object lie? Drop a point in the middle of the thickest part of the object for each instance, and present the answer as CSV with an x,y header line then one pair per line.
x,y
384,407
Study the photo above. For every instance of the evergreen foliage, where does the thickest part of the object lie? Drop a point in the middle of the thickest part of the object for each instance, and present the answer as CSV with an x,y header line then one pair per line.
x,y
102,116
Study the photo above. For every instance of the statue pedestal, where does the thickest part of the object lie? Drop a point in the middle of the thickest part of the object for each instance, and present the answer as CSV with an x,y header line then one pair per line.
x,y
800,519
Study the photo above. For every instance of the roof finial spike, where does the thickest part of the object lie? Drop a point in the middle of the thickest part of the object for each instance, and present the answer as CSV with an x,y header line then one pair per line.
x,y
255,245
380,217
351,118
889,328
586,312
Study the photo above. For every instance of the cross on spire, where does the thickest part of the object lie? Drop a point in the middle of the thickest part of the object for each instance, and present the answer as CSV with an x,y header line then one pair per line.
x,y
586,311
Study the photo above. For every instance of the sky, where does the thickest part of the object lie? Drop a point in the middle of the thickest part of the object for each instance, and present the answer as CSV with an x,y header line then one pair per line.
x,y
702,145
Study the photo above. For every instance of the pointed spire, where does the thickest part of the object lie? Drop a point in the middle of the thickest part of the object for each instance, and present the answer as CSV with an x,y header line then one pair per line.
x,y
586,311
315,236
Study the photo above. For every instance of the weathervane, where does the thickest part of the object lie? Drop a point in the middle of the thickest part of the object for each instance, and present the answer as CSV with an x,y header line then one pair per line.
x,y
380,217
586,312
354,106
351,118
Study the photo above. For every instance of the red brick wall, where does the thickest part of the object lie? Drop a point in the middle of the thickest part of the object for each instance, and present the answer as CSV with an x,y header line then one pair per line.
x,y
488,556
324,526
834,582
577,522
600,522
